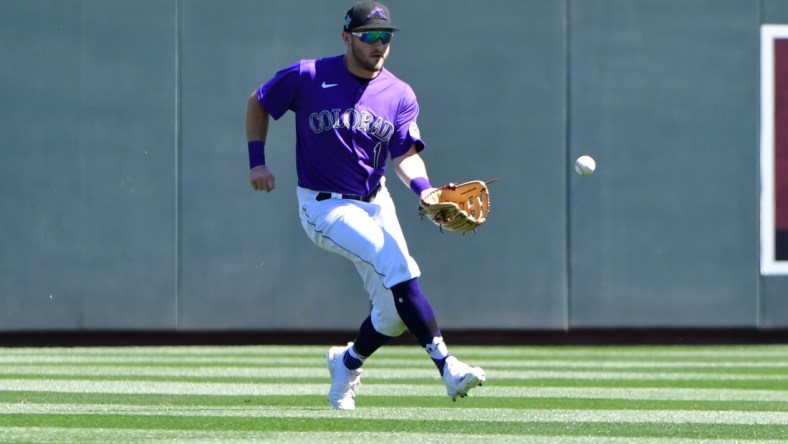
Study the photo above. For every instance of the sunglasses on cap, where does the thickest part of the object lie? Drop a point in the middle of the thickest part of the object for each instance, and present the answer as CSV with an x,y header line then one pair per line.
x,y
373,36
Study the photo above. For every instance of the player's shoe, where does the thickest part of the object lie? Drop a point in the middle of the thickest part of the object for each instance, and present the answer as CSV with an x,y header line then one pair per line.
x,y
344,382
460,377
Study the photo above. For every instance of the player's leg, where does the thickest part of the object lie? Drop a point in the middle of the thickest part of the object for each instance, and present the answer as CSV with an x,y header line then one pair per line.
x,y
352,229
349,229
416,313
371,237
405,306
383,322
410,304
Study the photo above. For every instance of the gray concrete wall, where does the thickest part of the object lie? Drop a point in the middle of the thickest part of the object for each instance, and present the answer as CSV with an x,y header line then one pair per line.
x,y
124,201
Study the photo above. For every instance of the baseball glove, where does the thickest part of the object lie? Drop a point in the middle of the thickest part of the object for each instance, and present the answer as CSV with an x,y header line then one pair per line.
x,y
457,207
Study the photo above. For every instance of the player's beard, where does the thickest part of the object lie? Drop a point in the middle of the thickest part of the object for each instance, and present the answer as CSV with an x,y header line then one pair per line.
x,y
366,61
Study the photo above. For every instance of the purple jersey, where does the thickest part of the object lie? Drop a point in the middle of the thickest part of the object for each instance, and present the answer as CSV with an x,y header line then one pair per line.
x,y
345,129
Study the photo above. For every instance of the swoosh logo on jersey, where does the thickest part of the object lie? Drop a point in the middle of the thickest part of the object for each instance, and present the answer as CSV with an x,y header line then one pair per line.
x,y
328,85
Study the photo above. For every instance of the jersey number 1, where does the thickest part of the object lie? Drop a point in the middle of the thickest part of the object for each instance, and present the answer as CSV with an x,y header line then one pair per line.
x,y
376,154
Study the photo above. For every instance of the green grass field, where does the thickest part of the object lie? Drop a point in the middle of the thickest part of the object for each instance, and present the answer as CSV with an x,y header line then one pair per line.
x,y
278,394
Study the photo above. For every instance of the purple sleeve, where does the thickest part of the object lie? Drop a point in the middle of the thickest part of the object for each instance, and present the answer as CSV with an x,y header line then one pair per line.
x,y
280,94
406,130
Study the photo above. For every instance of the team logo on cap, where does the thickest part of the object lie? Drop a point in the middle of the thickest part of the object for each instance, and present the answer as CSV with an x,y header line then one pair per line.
x,y
377,13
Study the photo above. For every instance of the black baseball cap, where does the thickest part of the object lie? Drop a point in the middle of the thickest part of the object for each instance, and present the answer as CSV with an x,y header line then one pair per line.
x,y
368,15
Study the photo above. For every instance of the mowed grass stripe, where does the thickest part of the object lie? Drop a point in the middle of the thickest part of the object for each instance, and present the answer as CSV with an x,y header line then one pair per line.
x,y
420,360
310,360
417,399
173,351
437,414
101,435
102,371
642,365
347,422
428,380
436,389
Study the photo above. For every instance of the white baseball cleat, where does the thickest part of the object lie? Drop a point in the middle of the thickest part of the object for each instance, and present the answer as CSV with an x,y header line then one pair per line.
x,y
344,382
460,377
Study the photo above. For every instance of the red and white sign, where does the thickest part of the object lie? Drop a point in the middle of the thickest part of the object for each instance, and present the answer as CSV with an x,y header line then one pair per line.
x,y
774,149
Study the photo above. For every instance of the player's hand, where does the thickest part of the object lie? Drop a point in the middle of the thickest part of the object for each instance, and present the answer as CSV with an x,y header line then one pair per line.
x,y
261,178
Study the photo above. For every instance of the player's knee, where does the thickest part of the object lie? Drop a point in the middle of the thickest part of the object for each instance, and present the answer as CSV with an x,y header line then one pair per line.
x,y
389,324
401,272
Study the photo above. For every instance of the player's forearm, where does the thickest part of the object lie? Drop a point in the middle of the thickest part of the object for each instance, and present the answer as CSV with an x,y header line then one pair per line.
x,y
256,119
412,171
410,166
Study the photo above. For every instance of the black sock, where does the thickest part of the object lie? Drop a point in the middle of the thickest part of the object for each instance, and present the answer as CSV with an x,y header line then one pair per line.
x,y
366,343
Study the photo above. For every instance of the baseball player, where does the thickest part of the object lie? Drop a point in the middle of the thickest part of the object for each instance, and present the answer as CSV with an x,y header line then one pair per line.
x,y
351,115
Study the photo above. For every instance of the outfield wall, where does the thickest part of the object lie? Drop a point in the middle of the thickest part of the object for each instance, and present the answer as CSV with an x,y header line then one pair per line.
x,y
124,201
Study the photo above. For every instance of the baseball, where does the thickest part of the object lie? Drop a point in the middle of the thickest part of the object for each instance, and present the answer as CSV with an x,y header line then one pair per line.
x,y
585,165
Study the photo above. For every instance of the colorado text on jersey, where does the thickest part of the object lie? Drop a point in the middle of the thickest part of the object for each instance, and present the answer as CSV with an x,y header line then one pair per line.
x,y
351,119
